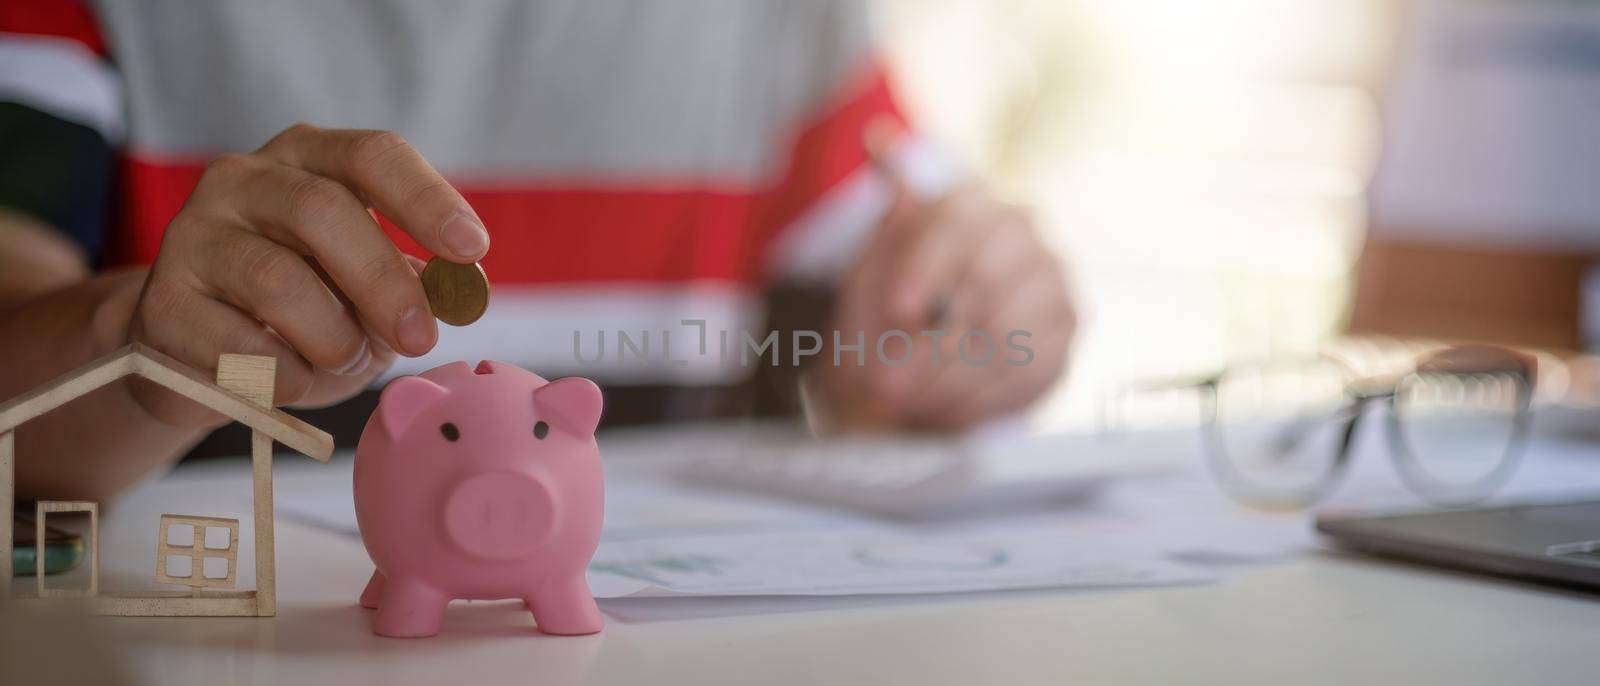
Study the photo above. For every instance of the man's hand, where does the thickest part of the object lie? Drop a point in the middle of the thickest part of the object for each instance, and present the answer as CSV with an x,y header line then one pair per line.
x,y
972,268
277,253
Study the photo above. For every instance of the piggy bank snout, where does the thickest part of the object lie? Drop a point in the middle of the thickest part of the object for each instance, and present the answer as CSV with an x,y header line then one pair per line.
x,y
499,515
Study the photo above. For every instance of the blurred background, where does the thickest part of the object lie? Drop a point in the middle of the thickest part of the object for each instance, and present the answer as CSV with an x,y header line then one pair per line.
x,y
1241,179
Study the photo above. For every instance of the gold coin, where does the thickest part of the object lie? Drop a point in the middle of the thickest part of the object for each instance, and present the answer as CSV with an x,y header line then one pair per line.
x,y
457,293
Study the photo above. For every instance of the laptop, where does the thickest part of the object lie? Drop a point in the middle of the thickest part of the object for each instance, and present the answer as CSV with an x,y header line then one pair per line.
x,y
1555,543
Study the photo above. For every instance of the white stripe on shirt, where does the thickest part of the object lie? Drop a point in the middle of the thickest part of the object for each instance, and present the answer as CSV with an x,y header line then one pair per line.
x,y
534,327
62,78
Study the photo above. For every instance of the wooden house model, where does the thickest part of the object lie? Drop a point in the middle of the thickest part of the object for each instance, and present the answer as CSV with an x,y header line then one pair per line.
x,y
243,392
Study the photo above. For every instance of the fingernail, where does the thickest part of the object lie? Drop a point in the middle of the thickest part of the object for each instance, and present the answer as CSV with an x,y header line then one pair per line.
x,y
465,237
357,364
416,331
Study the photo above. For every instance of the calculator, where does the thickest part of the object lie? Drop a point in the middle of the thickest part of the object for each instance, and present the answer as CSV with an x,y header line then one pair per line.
x,y
923,476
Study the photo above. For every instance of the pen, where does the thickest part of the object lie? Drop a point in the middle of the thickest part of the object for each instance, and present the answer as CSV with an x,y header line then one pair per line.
x,y
881,137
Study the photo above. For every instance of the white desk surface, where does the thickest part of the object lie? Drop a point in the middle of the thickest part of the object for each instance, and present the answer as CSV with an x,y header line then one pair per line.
x,y
1327,618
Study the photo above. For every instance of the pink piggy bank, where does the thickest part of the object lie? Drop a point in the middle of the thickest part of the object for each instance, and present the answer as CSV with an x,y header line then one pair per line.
x,y
480,483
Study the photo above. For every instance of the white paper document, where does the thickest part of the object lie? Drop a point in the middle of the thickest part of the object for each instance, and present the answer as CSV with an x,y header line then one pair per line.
x,y
665,538
867,563
808,554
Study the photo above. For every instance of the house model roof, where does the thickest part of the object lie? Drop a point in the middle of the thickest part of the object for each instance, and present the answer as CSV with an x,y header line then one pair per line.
x,y
180,378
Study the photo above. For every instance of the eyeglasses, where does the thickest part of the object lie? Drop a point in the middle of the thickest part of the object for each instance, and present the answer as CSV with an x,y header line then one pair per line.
x,y
1277,434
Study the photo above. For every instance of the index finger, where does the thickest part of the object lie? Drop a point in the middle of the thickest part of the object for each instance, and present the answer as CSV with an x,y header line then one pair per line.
x,y
388,174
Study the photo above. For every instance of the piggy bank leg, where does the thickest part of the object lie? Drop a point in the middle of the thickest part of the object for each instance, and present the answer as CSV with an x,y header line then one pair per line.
x,y
374,592
565,607
408,608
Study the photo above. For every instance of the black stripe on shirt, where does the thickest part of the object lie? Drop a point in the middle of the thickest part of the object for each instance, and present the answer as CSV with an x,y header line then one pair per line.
x,y
57,171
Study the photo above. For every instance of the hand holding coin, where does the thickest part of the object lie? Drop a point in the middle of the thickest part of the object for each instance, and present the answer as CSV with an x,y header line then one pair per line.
x,y
458,294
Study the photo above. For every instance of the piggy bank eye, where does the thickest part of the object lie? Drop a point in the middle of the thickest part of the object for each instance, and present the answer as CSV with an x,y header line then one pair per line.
x,y
540,430
451,433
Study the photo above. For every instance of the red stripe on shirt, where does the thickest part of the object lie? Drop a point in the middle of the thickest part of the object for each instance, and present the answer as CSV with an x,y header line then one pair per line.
x,y
829,148
585,235
537,235
565,234
59,18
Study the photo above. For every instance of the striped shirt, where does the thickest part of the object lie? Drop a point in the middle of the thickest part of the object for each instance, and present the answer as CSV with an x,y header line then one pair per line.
x,y
637,164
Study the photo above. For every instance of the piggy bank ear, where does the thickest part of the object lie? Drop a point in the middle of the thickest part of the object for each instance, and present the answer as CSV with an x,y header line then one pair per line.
x,y
404,399
572,403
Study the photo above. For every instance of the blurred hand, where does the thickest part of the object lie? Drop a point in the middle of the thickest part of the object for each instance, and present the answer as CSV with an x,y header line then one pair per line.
x,y
960,263
277,253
